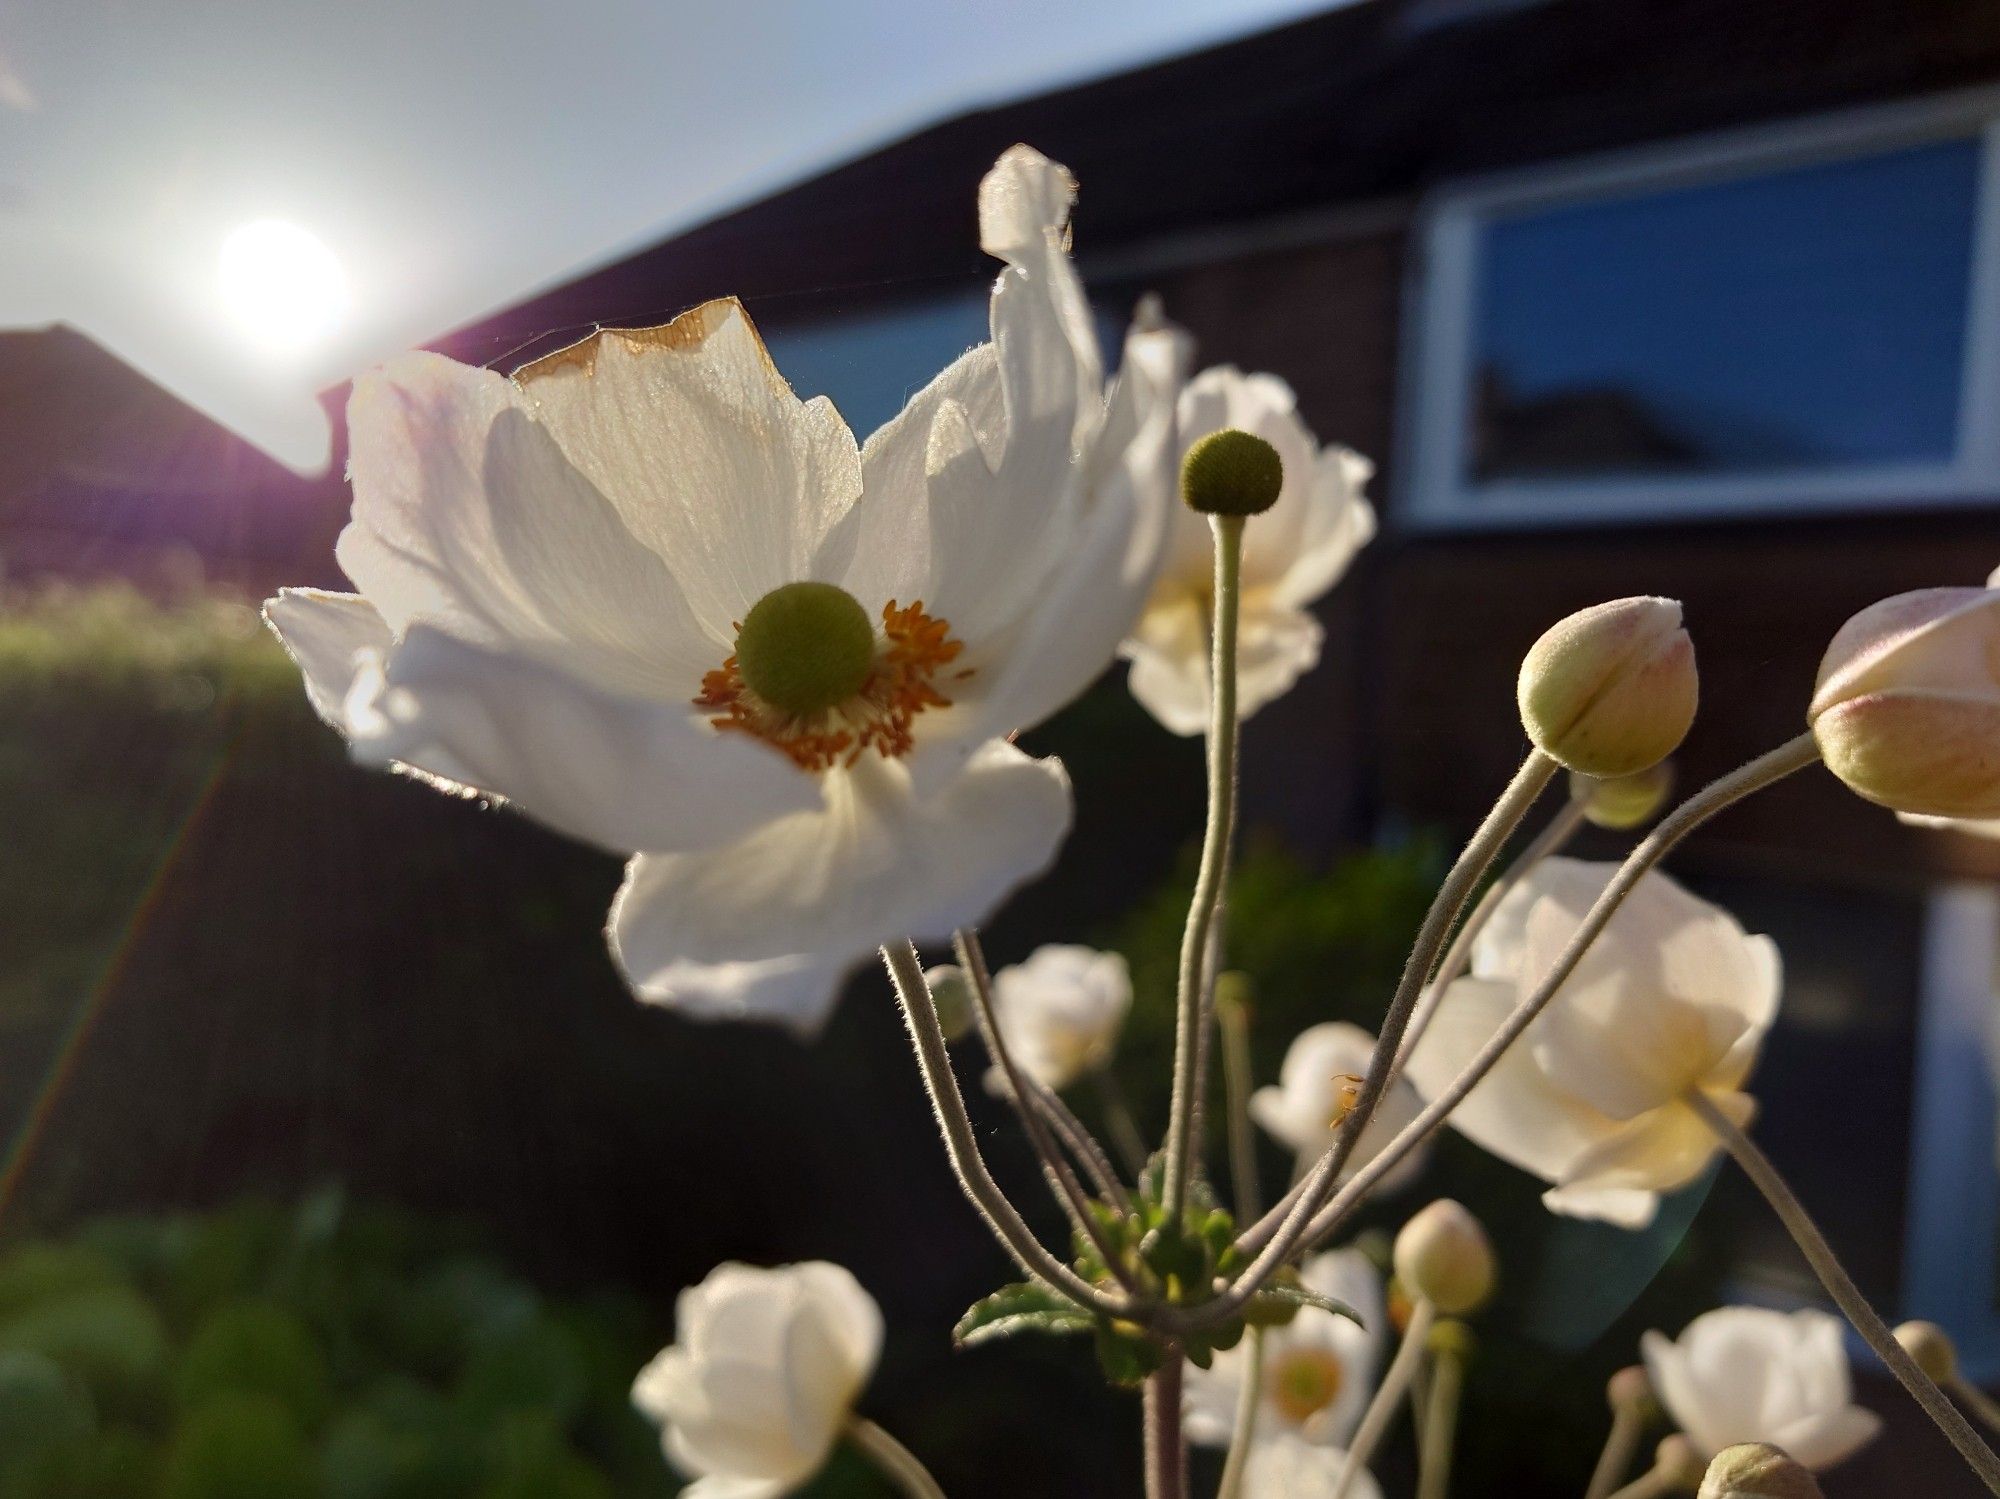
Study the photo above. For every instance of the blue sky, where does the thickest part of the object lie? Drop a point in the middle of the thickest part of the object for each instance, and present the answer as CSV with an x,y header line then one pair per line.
x,y
456,155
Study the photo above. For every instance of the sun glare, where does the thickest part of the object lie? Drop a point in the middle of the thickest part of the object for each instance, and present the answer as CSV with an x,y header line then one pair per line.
x,y
281,285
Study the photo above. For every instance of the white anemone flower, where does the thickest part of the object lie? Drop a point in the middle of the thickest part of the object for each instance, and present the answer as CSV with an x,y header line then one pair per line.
x,y
1973,827
1319,1369
1750,1374
1292,554
1060,1012
1288,1467
649,596
1673,997
1322,1072
761,1377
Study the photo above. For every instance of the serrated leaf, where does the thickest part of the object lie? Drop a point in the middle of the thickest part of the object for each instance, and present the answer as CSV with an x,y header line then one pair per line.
x,y
1019,1308
1300,1296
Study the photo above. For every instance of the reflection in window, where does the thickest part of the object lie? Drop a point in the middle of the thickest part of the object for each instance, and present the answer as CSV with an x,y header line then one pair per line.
x,y
1798,319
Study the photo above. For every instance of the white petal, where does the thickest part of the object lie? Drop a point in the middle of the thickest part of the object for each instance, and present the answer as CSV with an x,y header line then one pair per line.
x,y
624,773
1275,646
1656,1152
328,635
1821,1441
1674,1382
1514,1112
1208,1397
1286,1467
811,893
711,460
468,514
1339,523
1168,650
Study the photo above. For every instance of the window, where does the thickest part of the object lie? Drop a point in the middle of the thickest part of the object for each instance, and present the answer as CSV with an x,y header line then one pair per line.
x,y
1806,316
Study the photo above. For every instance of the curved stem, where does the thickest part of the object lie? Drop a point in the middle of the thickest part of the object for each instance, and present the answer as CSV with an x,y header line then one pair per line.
x,y
1166,1446
1282,1230
1458,957
962,1146
1846,1295
1766,769
1440,1425
897,1463
1213,875
1388,1395
1249,1401
1621,1445
1067,1190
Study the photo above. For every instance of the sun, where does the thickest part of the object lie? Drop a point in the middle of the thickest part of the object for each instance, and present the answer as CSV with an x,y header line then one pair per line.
x,y
281,285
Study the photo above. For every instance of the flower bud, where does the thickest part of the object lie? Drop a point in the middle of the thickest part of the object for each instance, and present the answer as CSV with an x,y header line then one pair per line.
x,y
1611,690
1931,1347
1231,472
1623,802
1757,1470
951,993
1678,1462
1443,1256
1907,707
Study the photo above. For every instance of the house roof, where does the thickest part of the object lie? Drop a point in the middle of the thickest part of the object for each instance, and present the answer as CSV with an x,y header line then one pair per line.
x,y
1375,100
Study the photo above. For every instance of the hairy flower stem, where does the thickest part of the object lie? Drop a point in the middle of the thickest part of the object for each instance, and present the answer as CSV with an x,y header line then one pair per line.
x,y
895,1461
1440,1424
1766,769
1388,1395
1067,1190
962,1146
1281,1232
1458,957
1232,1015
1621,1445
1847,1296
1166,1442
1213,876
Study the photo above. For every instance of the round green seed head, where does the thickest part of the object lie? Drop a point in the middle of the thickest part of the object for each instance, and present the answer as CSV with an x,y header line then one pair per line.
x,y
805,647
1231,473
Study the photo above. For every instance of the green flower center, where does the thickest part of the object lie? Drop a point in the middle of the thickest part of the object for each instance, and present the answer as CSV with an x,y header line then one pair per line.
x,y
805,647
1305,1381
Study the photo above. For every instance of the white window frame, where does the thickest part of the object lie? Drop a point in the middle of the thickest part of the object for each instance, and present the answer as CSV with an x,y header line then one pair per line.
x,y
1951,1235
1437,491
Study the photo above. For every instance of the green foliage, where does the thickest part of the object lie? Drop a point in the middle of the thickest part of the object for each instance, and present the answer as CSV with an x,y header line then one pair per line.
x,y
321,1353
1025,1307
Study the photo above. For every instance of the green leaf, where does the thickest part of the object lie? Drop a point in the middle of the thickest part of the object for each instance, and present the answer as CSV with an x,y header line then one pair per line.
x,y
1019,1308
1126,1358
1298,1296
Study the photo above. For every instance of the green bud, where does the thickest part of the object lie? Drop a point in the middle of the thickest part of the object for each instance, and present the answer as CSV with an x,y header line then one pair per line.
x,y
1757,1470
1231,472
951,995
805,647
1931,1347
1611,690
1624,802
1443,1256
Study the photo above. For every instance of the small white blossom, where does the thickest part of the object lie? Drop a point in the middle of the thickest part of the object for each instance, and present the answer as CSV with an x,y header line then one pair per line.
x,y
1319,1369
1316,1085
1749,1374
1672,997
761,1377
649,596
1289,1467
1060,1012
1292,554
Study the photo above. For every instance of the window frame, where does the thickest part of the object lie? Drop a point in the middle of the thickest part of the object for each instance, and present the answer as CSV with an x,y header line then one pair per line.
x,y
1437,492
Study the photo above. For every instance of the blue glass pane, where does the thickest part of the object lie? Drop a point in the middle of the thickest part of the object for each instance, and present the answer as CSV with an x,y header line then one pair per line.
x,y
1804,318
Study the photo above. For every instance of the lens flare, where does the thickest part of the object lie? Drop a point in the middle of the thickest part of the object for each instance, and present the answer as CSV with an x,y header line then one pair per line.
x,y
281,285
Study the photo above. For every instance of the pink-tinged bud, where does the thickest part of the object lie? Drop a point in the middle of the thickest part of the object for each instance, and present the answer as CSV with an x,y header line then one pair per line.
x,y
1678,1463
1757,1470
1444,1256
1628,1388
1907,709
1611,690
